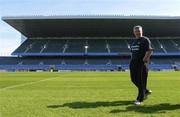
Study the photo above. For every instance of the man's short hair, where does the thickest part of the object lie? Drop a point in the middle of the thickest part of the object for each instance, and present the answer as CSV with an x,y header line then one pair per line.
x,y
137,27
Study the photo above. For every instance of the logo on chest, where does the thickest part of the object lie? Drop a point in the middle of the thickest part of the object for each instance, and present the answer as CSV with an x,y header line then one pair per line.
x,y
135,46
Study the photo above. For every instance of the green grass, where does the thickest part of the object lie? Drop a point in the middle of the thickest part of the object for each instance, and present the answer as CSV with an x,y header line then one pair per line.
x,y
86,94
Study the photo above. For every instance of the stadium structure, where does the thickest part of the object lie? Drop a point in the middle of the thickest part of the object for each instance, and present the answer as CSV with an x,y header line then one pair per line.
x,y
100,43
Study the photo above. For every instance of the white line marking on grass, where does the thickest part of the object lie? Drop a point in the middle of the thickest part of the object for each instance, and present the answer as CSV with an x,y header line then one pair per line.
x,y
25,84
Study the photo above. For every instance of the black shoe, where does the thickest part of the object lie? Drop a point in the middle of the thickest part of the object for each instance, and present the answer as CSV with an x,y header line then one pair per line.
x,y
147,93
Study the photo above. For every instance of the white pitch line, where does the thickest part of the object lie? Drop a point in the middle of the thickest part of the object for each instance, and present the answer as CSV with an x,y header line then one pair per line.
x,y
25,84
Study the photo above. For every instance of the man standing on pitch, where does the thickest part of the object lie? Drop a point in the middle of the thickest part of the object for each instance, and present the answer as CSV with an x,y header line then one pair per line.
x,y
141,51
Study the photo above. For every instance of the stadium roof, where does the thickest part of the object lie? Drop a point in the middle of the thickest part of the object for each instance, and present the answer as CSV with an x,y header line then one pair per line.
x,y
94,26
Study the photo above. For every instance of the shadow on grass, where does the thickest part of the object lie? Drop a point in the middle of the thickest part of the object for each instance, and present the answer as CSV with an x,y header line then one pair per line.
x,y
158,108
79,105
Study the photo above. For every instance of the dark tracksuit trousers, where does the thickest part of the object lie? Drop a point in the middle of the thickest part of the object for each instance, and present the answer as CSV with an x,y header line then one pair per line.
x,y
139,73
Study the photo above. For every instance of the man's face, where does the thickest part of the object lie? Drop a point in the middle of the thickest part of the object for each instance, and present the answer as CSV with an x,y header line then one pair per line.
x,y
138,32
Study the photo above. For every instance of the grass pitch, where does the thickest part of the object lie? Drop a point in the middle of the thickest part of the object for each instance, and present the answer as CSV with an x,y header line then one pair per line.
x,y
86,94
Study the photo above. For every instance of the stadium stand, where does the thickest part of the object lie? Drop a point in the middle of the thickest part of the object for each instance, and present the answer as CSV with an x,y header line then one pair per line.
x,y
53,46
157,46
97,43
93,46
86,62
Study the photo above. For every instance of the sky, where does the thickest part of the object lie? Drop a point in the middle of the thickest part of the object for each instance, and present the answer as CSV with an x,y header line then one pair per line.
x,y
10,39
